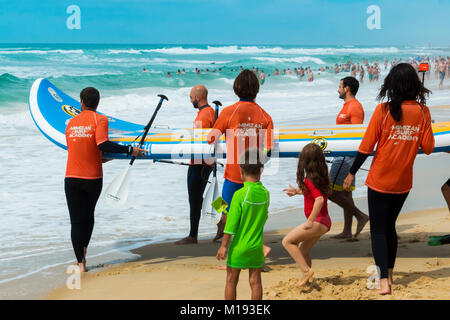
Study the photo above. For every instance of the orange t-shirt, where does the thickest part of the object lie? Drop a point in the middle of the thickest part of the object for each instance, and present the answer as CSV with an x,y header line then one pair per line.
x,y
397,146
351,113
245,125
205,119
83,135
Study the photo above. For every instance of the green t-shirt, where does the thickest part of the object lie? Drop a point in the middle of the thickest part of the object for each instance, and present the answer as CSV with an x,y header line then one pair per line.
x,y
248,213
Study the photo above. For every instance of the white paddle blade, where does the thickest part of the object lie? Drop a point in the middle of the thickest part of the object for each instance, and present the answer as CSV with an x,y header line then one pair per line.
x,y
211,194
117,193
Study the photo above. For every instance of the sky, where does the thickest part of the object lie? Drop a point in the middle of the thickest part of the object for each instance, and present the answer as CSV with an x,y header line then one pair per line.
x,y
251,22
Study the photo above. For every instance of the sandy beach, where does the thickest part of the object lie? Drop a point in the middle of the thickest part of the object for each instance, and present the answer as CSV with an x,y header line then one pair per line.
x,y
167,271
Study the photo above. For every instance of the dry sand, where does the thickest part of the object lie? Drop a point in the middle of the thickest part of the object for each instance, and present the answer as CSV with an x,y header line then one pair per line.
x,y
168,271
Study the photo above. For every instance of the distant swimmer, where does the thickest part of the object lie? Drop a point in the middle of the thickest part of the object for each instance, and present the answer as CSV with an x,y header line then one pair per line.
x,y
144,70
361,74
168,74
370,72
301,73
183,72
442,71
310,76
262,77
87,139
336,69
276,72
353,72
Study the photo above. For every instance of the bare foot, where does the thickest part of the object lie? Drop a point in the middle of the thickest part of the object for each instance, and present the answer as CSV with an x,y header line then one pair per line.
x,y
219,234
82,267
342,236
187,240
266,251
361,224
385,291
306,277
385,288
221,267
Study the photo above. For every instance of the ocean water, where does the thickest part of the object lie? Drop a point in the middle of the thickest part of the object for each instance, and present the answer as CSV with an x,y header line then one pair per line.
x,y
35,246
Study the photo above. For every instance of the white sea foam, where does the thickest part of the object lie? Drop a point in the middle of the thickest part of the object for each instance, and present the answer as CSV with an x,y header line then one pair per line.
x,y
271,50
128,51
41,51
297,59
43,71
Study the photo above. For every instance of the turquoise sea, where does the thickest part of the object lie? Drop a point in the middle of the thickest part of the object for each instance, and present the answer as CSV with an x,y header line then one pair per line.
x,y
35,247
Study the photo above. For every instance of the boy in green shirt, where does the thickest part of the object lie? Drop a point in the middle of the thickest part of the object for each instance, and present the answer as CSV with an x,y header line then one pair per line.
x,y
245,222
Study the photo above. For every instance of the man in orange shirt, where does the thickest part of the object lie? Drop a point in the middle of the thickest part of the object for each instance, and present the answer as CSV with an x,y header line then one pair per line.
x,y
198,171
351,113
87,139
245,125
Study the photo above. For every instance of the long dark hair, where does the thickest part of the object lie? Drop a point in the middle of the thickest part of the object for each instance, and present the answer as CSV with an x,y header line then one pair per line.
x,y
311,162
402,83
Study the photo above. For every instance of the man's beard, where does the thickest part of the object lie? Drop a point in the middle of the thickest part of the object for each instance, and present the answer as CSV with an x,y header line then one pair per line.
x,y
195,104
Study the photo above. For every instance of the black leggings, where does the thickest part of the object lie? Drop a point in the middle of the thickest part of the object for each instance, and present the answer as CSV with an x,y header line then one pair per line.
x,y
197,179
384,209
82,196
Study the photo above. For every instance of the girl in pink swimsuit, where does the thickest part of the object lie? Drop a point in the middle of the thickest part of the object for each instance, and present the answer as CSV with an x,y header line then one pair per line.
x,y
314,183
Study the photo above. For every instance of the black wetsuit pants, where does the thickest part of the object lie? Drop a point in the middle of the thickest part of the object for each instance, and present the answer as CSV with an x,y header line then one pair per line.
x,y
82,196
384,209
197,179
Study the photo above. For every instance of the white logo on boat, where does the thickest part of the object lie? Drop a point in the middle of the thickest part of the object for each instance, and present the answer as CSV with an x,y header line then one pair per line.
x,y
54,94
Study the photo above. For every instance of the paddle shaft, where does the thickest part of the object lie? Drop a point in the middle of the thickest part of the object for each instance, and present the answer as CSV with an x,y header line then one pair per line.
x,y
178,163
171,162
216,115
147,127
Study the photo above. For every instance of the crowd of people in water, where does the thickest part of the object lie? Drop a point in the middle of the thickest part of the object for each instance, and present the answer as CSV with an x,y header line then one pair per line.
x,y
356,70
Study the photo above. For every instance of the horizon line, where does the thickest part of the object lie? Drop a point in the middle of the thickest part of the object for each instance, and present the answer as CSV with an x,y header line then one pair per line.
x,y
224,44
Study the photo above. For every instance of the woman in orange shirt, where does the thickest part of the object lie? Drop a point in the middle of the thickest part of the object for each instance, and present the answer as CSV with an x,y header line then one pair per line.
x,y
399,128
